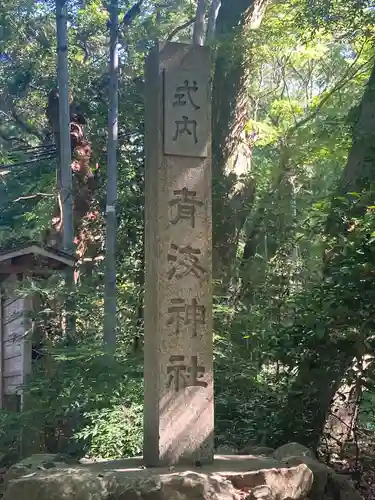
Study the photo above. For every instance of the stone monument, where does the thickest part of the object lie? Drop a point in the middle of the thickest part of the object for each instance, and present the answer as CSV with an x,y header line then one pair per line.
x,y
178,407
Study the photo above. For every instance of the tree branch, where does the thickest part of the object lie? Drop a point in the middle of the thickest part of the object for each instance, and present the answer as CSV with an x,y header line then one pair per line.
x,y
25,126
348,75
36,195
131,14
180,28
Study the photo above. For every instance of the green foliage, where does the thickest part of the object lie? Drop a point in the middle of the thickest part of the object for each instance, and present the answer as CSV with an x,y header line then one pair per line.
x,y
282,314
80,403
113,432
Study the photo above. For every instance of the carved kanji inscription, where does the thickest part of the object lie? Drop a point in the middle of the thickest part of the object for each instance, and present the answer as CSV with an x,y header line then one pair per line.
x,y
182,313
183,206
186,118
185,261
182,375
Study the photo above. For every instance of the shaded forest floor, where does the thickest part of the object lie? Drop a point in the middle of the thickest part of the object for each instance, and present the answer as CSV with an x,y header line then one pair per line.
x,y
359,465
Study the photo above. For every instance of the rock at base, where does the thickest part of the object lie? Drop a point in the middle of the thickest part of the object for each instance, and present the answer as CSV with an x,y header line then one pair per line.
x,y
45,477
62,484
262,451
226,450
285,483
34,463
320,473
261,493
292,450
83,485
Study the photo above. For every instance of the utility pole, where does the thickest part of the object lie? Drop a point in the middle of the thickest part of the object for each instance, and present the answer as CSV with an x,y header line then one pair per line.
x,y
64,148
65,177
110,298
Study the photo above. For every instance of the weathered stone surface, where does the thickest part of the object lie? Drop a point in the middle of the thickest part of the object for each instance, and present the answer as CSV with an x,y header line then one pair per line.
x,y
292,450
60,484
320,473
248,463
226,450
184,486
85,485
228,478
285,483
178,367
186,93
263,492
29,465
327,484
264,451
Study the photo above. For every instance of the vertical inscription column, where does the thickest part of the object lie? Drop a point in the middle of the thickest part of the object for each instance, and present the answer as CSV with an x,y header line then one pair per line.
x,y
178,407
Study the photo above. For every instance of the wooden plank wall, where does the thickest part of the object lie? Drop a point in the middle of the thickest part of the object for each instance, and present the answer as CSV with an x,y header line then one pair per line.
x,y
16,350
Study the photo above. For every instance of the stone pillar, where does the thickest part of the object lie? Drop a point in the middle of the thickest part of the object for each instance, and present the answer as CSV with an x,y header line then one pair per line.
x,y
178,406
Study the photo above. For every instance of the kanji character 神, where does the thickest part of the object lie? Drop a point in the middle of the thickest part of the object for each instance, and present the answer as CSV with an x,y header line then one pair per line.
x,y
181,313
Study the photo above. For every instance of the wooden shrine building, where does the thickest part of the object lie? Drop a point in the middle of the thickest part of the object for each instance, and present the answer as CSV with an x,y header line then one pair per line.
x,y
16,265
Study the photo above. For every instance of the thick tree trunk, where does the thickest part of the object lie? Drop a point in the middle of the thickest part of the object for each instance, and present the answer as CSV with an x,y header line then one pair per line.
x,y
343,414
319,375
83,179
232,200
358,177
325,365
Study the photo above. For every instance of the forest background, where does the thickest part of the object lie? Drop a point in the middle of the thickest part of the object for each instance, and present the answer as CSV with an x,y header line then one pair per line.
x,y
293,208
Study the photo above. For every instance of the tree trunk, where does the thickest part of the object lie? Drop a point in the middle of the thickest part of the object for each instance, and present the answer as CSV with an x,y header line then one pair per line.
x,y
342,416
211,21
358,177
111,226
325,365
198,34
272,224
231,149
